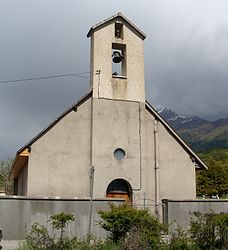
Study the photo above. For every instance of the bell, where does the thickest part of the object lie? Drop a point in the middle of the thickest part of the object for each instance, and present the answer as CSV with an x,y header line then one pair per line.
x,y
117,57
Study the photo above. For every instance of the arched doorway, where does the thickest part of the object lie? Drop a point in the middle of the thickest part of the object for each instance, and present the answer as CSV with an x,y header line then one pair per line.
x,y
119,188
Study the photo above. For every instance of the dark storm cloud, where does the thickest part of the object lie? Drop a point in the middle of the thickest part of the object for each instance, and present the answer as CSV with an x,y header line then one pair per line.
x,y
192,77
185,58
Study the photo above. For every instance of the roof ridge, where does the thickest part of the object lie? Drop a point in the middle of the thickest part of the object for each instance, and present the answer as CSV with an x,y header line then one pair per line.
x,y
119,14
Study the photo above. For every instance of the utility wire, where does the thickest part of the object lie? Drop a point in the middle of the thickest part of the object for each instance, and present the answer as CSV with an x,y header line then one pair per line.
x,y
45,77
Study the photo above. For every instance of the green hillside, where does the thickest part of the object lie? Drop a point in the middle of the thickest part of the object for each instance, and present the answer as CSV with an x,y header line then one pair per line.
x,y
201,135
205,137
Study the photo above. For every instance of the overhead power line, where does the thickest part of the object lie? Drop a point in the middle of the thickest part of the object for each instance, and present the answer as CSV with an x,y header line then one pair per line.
x,y
81,74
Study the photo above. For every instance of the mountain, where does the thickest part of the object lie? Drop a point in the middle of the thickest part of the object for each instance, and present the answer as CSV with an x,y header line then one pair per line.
x,y
201,135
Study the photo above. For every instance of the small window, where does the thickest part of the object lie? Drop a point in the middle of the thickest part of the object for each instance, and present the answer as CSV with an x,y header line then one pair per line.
x,y
119,30
119,154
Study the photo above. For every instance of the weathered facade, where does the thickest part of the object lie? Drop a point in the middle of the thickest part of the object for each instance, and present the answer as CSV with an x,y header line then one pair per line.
x,y
111,143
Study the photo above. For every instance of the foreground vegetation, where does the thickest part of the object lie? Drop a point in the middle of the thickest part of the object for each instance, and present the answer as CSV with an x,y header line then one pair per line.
x,y
132,229
6,182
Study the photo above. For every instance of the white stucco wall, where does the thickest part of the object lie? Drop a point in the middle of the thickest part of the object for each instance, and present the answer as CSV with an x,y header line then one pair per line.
x,y
104,85
148,161
59,161
128,125
116,125
176,169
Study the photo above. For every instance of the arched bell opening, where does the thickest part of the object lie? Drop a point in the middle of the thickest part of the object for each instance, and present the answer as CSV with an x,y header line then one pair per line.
x,y
119,188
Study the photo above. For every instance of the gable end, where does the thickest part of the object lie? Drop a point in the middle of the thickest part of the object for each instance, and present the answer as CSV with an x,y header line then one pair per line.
x,y
26,148
110,19
198,162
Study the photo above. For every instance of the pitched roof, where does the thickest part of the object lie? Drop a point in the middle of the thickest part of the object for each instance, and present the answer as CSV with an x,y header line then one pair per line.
x,y
118,15
195,158
193,155
21,151
73,107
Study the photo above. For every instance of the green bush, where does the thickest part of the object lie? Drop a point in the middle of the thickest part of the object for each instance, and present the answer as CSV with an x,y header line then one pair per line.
x,y
132,229
60,221
180,240
124,221
110,245
210,230
66,243
37,239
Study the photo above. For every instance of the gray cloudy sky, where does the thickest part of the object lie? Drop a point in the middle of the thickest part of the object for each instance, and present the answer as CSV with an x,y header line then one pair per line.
x,y
186,58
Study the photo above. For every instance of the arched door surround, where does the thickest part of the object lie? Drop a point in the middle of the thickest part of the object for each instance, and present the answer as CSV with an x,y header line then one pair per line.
x,y
119,188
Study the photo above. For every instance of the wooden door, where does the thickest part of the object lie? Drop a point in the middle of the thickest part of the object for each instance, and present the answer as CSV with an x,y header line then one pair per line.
x,y
119,195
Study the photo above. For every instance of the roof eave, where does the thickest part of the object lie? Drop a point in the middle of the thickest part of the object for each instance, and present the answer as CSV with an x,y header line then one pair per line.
x,y
199,163
35,138
72,107
119,14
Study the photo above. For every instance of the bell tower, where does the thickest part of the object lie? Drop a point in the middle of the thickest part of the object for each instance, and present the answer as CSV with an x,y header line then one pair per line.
x,y
117,60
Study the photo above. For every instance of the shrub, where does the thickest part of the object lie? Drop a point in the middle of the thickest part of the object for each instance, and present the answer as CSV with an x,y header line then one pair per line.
x,y
180,240
37,239
135,239
66,243
125,221
110,245
60,221
210,230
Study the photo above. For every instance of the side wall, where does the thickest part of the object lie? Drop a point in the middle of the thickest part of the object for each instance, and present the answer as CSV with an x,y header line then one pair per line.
x,y
26,211
177,212
176,169
59,162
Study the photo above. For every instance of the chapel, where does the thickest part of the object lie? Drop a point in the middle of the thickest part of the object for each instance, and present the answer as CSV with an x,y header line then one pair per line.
x,y
111,143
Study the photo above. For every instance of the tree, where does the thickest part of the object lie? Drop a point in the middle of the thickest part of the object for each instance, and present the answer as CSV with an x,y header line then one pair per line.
x,y
124,221
60,221
6,182
209,230
215,179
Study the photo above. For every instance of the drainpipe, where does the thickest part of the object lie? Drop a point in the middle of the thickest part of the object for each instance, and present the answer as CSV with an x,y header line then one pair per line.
x,y
98,72
156,167
92,169
140,151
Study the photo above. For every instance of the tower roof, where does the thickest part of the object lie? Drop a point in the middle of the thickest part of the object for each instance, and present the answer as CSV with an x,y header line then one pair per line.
x,y
116,16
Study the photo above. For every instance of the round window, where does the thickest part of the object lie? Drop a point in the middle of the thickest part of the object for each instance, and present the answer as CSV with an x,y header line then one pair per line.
x,y
119,154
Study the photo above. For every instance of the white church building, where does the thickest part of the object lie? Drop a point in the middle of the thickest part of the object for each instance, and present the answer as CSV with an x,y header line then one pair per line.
x,y
111,142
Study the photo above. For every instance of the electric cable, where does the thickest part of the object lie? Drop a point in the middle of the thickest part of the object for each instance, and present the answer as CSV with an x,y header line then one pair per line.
x,y
80,74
